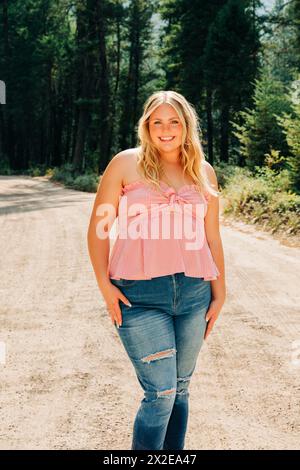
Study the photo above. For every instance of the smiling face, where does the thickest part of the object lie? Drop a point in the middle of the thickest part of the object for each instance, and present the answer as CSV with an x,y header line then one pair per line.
x,y
165,128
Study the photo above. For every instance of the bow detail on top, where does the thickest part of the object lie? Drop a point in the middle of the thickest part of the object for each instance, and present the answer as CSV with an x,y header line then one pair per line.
x,y
140,216
169,201
174,197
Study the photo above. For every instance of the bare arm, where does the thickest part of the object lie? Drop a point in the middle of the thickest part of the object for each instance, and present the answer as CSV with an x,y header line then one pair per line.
x,y
212,230
107,199
104,212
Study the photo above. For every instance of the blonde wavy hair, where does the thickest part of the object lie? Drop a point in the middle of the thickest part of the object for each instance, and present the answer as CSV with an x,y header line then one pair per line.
x,y
191,155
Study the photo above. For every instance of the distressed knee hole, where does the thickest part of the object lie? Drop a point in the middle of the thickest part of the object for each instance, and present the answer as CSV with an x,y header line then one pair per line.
x,y
159,355
184,379
183,384
166,392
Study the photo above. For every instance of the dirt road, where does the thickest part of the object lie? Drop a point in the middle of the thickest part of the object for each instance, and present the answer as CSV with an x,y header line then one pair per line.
x,y
67,382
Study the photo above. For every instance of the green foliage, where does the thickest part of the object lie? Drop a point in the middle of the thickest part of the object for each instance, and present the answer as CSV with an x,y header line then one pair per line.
x,y
230,47
36,170
274,160
264,198
290,122
225,171
242,188
70,177
259,133
87,182
78,73
5,168
64,174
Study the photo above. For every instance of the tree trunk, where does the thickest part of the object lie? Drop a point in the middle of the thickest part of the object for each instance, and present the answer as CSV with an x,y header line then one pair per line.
x,y
104,92
224,133
210,130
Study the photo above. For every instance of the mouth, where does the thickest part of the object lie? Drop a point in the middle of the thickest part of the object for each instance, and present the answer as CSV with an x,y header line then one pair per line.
x,y
166,139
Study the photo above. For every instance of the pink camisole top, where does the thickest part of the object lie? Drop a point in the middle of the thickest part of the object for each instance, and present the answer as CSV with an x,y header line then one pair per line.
x,y
161,233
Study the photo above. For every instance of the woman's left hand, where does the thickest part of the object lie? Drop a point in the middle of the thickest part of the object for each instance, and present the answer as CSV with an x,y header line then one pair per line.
x,y
212,315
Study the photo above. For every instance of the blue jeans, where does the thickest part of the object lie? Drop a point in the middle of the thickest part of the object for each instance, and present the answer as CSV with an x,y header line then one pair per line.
x,y
162,334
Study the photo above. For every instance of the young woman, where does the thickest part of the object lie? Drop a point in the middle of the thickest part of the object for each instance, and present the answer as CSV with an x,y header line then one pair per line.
x,y
164,288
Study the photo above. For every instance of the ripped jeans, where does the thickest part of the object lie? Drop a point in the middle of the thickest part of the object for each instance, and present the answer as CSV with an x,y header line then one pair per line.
x,y
162,334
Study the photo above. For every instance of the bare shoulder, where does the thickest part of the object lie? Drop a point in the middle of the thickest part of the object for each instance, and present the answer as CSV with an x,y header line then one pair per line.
x,y
117,166
126,154
124,163
113,177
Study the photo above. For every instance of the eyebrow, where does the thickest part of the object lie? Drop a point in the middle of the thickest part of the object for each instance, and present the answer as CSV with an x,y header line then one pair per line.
x,y
159,119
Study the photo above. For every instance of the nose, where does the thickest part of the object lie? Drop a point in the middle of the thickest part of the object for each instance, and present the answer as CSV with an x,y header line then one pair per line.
x,y
166,127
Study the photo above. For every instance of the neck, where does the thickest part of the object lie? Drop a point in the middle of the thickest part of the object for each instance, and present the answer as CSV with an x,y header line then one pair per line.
x,y
170,158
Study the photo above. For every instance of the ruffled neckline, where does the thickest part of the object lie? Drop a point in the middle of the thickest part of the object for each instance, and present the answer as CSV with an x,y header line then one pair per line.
x,y
139,182
169,189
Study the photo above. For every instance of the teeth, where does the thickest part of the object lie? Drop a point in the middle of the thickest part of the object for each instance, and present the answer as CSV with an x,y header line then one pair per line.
x,y
166,138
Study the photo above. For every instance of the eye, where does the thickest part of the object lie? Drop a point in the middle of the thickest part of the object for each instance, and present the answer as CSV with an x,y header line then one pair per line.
x,y
174,122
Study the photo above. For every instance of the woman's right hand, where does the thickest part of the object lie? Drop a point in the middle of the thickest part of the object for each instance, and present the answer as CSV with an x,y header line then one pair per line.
x,y
111,296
